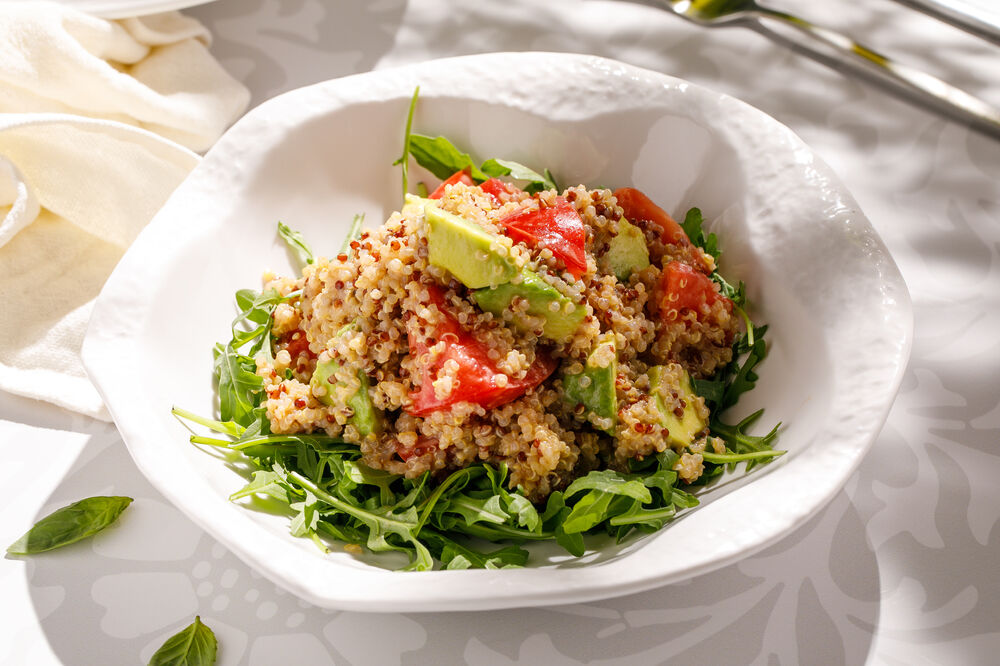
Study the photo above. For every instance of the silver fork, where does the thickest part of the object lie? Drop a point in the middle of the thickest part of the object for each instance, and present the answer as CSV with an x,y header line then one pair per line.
x,y
918,86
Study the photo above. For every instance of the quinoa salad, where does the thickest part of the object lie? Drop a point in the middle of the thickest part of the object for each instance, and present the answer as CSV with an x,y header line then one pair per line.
x,y
502,360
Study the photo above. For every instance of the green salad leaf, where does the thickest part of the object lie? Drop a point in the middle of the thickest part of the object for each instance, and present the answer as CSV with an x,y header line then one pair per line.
x,y
404,159
194,645
443,159
70,524
353,233
330,494
296,243
693,227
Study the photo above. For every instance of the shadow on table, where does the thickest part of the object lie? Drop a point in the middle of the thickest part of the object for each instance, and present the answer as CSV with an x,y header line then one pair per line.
x,y
265,46
116,598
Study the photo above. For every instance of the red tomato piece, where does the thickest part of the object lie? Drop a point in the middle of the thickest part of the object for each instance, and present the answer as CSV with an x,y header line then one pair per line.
x,y
494,187
640,208
685,288
298,345
423,445
457,177
558,227
477,373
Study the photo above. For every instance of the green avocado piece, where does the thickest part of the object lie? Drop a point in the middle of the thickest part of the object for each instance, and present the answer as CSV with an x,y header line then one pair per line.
x,y
664,381
594,388
561,321
414,204
627,252
464,249
366,417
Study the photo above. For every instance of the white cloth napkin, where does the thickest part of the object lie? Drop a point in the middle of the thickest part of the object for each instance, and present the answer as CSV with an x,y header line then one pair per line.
x,y
74,193
82,172
154,72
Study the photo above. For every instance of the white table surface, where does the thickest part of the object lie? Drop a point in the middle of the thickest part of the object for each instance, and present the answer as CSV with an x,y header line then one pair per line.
x,y
903,567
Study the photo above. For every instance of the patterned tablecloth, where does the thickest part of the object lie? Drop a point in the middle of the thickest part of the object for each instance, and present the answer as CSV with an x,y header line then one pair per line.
x,y
901,568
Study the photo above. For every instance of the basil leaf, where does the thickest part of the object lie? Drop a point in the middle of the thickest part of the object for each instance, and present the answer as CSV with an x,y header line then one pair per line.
x,y
70,524
296,243
194,645
440,156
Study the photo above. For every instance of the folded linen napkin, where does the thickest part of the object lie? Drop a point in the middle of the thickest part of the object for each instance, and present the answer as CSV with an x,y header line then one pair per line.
x,y
81,171
74,193
154,72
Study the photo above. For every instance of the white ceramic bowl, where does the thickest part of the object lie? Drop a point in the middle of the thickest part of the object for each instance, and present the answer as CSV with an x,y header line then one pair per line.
x,y
816,272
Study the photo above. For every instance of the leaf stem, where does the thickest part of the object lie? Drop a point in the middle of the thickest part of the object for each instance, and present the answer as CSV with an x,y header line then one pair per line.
x,y
725,458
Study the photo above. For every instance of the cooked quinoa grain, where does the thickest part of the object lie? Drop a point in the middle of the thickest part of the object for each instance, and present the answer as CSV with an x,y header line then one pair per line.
x,y
454,379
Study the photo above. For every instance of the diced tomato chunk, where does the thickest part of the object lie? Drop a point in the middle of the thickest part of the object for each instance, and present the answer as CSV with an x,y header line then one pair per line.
x,y
640,208
457,177
477,375
495,187
297,345
682,287
423,445
558,227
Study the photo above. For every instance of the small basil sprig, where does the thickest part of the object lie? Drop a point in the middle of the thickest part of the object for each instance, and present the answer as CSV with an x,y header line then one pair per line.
x,y
194,645
70,524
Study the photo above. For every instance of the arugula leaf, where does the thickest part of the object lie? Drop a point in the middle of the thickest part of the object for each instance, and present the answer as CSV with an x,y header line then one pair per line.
x,y
307,517
353,233
612,482
518,505
70,524
474,510
454,555
744,378
404,159
239,385
263,482
382,523
692,226
194,645
744,444
536,181
296,243
724,389
596,506
653,518
571,541
727,458
440,156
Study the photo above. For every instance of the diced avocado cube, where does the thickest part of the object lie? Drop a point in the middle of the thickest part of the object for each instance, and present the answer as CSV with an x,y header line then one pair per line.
x,y
680,415
594,387
366,417
414,204
562,316
626,253
466,250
